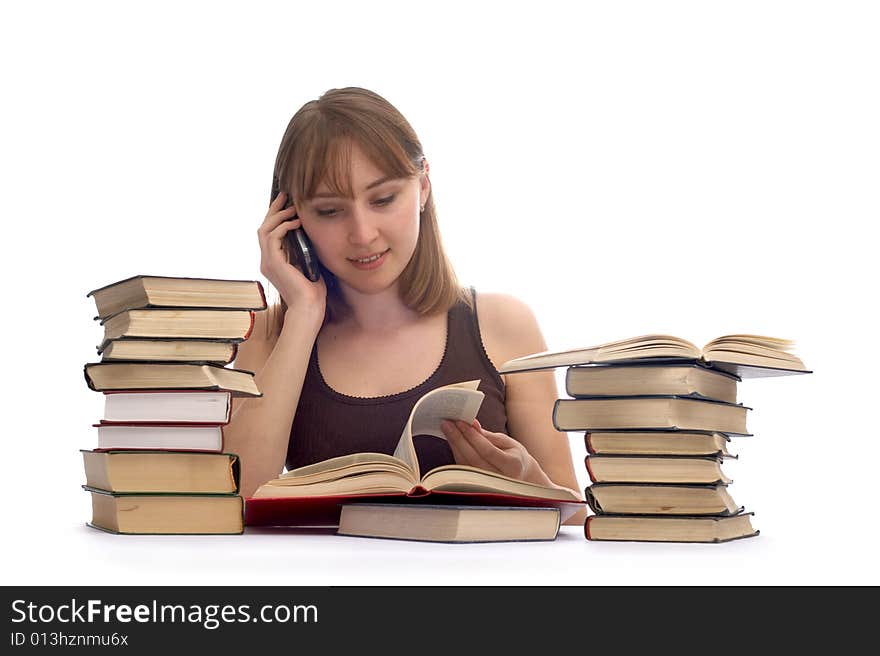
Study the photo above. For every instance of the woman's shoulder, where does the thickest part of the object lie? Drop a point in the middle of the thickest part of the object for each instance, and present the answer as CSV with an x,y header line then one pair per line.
x,y
508,327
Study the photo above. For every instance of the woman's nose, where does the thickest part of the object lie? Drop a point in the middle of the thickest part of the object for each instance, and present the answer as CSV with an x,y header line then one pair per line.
x,y
362,227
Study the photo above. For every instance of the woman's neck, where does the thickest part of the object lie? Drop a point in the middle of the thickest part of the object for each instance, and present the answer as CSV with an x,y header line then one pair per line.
x,y
376,314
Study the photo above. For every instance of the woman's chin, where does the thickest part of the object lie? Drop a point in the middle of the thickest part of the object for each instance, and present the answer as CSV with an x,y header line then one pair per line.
x,y
367,284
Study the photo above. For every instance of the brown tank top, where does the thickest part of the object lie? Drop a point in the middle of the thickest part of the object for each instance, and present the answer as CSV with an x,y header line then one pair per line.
x,y
329,424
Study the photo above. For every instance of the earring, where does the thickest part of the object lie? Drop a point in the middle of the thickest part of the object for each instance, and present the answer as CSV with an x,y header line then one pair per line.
x,y
423,208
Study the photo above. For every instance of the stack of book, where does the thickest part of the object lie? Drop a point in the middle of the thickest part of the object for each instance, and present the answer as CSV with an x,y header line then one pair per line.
x,y
159,466
658,414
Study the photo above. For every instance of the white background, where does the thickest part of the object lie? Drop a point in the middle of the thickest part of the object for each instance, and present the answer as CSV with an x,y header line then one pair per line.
x,y
693,168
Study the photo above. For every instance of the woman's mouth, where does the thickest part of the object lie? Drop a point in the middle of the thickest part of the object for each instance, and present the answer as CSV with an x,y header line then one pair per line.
x,y
373,261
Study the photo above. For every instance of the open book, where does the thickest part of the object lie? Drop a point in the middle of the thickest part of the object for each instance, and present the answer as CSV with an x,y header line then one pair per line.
x,y
746,356
312,495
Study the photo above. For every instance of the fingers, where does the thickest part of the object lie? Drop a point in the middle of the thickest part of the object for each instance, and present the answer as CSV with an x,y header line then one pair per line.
x,y
484,448
461,448
276,214
500,440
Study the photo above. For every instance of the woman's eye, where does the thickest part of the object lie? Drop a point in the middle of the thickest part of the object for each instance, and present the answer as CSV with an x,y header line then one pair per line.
x,y
326,212
385,201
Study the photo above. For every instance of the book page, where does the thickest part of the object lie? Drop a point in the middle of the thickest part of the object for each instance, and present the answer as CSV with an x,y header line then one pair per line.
x,y
459,401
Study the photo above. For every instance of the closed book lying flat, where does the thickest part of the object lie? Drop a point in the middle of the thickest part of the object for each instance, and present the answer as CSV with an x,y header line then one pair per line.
x,y
231,325
169,292
177,437
655,469
448,523
627,379
673,443
166,514
745,356
176,407
168,350
162,471
141,376
645,528
657,499
654,412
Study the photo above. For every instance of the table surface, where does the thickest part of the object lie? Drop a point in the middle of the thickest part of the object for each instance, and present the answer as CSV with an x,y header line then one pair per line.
x,y
319,557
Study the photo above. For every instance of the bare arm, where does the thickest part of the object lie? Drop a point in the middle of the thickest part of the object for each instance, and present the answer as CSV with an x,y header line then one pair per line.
x,y
511,330
259,429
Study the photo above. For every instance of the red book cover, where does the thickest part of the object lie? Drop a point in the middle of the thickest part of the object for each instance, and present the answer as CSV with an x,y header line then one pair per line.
x,y
589,444
325,510
168,446
589,469
155,422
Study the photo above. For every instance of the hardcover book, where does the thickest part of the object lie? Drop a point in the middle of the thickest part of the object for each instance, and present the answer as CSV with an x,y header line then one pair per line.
x,y
161,471
174,407
660,499
649,412
671,379
177,437
745,356
439,523
673,443
143,376
646,528
312,495
144,291
213,351
166,514
228,325
655,469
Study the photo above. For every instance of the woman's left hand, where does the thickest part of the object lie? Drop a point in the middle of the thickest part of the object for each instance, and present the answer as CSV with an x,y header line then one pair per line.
x,y
473,445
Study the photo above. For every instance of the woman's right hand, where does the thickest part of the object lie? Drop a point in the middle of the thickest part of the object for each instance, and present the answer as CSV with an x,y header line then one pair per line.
x,y
301,294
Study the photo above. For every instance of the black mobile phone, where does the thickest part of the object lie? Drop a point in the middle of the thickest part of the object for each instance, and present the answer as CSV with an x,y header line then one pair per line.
x,y
298,241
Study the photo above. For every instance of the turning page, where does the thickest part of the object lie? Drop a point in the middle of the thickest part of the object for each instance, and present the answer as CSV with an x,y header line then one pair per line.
x,y
459,401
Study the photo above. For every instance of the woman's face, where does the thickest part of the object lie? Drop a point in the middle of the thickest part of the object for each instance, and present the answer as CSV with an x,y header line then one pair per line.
x,y
381,220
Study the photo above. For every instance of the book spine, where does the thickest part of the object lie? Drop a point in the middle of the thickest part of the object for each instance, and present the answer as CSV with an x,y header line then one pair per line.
x,y
590,469
589,444
587,527
591,500
89,381
251,327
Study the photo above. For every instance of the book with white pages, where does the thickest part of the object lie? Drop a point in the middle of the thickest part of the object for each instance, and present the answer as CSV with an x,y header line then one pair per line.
x,y
172,406
181,437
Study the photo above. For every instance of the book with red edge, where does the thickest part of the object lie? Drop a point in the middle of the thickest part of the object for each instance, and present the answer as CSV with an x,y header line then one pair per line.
x,y
196,351
183,323
312,495
148,291
167,406
159,436
325,510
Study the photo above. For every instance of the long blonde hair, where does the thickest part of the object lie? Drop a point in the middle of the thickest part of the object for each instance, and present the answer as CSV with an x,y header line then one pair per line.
x,y
316,148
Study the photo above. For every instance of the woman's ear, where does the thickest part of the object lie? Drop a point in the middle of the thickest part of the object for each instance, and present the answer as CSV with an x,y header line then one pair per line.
x,y
424,184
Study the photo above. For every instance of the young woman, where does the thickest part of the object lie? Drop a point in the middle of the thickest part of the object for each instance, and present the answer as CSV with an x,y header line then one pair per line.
x,y
342,361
